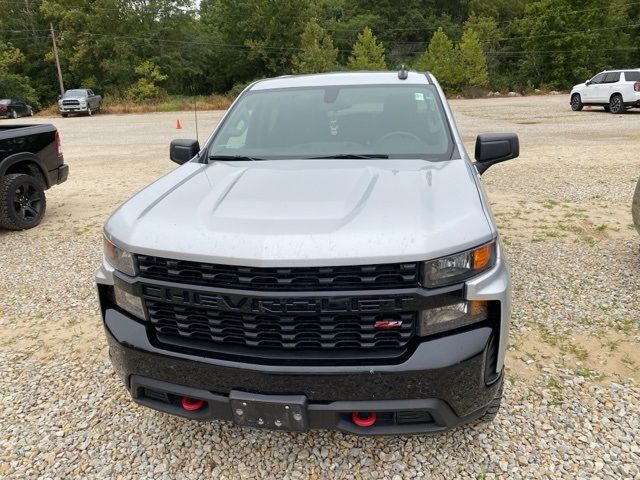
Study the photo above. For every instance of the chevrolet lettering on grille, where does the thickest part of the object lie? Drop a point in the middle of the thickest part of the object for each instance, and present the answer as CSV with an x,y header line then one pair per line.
x,y
239,303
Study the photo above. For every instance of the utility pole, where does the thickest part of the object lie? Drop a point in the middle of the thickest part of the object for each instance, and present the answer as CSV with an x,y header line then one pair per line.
x,y
55,54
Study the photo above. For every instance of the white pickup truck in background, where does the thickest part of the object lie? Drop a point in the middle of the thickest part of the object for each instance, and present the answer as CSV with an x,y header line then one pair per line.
x,y
79,100
615,90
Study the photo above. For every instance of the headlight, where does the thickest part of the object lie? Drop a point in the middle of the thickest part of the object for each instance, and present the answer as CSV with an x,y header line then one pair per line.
x,y
457,268
119,259
437,320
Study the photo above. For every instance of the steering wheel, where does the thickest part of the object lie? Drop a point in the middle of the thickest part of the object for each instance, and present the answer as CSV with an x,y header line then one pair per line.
x,y
399,133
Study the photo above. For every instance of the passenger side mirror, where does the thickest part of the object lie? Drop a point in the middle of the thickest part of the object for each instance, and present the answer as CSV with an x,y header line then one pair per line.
x,y
181,151
492,148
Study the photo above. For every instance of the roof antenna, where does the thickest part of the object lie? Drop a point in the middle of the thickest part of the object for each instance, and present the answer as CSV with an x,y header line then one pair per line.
x,y
195,114
195,109
403,74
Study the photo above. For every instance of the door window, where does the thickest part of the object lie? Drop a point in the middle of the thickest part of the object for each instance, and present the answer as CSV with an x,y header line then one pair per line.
x,y
632,76
612,77
598,78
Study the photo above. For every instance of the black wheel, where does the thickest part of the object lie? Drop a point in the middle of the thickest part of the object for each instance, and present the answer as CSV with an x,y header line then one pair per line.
x,y
31,112
616,105
22,202
576,102
64,115
494,406
89,112
14,114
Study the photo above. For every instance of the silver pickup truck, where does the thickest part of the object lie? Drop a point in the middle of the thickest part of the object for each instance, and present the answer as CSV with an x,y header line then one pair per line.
x,y
79,100
327,259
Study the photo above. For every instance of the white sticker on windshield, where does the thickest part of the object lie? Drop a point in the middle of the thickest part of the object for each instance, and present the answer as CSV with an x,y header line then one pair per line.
x,y
419,96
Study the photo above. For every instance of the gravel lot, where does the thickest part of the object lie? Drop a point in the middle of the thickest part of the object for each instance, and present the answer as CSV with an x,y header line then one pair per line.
x,y
572,396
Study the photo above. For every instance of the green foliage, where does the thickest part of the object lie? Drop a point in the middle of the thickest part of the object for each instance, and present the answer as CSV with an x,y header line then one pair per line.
x,y
473,63
317,52
565,48
443,60
147,88
457,67
216,45
367,53
13,85
259,36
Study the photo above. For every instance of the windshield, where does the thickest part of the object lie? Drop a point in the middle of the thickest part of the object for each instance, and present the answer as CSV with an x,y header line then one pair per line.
x,y
404,121
75,93
5,101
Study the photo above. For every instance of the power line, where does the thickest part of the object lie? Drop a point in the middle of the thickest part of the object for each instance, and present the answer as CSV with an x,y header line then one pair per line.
x,y
156,41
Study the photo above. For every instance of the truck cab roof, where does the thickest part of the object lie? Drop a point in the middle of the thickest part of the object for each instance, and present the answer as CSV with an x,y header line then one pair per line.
x,y
342,79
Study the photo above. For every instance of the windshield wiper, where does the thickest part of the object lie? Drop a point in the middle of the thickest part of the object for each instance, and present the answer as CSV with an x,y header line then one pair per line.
x,y
351,155
234,157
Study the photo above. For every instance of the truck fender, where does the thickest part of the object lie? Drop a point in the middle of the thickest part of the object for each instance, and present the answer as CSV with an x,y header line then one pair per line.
x,y
29,160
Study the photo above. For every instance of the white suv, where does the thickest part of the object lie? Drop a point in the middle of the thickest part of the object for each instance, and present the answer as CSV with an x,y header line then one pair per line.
x,y
615,90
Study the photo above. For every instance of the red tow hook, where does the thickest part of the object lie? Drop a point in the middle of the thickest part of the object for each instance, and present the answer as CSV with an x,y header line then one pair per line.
x,y
364,421
191,404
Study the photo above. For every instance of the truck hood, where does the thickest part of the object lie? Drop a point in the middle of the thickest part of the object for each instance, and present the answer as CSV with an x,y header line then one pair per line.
x,y
306,212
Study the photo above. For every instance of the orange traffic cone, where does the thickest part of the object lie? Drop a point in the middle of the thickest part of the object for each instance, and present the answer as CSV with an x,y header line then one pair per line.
x,y
178,124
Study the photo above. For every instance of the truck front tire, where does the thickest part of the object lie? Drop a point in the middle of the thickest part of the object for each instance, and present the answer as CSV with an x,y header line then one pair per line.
x,y
22,202
494,406
576,102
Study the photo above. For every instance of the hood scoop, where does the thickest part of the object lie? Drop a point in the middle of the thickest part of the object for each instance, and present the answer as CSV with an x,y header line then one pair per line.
x,y
296,194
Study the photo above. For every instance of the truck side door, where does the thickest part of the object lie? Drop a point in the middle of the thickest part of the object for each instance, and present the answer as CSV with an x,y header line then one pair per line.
x,y
590,93
608,86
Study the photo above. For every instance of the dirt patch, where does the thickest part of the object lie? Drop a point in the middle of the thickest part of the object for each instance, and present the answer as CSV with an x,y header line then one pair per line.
x,y
610,357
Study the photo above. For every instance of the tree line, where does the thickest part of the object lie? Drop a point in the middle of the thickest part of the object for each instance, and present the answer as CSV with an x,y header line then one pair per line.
x,y
146,49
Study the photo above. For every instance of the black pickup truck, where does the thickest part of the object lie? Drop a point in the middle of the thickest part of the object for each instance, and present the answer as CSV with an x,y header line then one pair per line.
x,y
31,162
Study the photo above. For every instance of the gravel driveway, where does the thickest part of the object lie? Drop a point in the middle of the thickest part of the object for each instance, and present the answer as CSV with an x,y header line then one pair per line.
x,y
572,396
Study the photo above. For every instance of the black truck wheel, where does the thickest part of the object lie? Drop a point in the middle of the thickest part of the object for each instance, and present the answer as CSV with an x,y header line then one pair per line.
x,y
494,406
22,202
576,102
616,105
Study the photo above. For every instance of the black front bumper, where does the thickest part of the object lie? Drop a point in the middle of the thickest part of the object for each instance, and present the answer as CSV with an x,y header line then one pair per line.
x,y
440,385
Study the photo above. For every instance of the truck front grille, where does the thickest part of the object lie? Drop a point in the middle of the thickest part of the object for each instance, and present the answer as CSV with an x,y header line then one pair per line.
x,y
383,276
71,103
287,323
315,331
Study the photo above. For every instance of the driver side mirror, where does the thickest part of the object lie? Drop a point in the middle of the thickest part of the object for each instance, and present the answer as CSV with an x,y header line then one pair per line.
x,y
492,148
587,83
181,151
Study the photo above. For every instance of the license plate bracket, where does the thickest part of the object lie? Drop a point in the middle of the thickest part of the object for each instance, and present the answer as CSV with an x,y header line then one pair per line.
x,y
278,412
